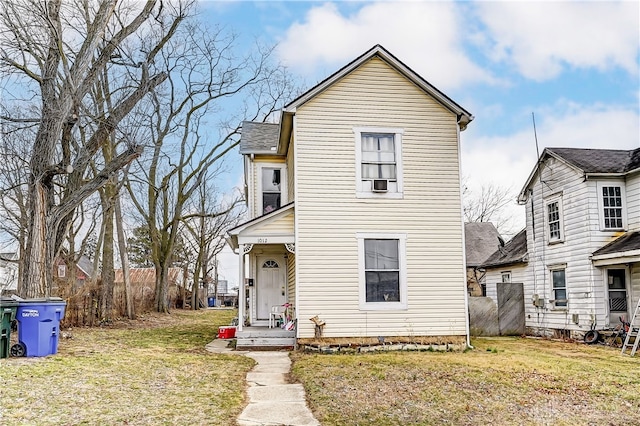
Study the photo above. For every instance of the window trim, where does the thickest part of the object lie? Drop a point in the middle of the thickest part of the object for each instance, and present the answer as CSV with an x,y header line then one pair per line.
x,y
547,202
283,185
402,261
623,196
553,269
397,138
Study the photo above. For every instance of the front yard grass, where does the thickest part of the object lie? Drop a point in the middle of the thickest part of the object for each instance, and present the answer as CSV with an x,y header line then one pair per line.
x,y
503,381
152,371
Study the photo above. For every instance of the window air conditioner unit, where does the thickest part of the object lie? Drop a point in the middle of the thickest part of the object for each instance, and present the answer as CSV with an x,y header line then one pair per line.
x,y
380,185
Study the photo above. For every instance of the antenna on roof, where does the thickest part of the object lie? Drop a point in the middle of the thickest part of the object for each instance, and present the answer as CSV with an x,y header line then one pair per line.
x,y
535,133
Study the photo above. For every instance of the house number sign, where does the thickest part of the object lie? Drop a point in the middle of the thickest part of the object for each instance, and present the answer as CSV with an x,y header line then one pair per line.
x,y
262,240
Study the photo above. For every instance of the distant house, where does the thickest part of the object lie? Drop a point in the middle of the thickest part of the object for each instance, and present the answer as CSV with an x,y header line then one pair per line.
x,y
581,266
506,265
8,272
77,275
355,209
481,239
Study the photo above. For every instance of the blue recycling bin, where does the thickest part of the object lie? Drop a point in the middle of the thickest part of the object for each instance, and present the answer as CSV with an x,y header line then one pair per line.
x,y
38,326
211,302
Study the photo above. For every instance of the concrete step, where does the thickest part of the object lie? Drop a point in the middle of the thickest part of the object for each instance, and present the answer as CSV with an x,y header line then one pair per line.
x,y
255,343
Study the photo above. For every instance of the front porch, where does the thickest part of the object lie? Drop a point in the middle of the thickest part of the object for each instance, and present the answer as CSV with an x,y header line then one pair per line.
x,y
258,337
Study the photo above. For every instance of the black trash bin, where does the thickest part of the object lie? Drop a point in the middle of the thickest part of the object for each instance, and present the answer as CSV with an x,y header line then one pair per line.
x,y
8,309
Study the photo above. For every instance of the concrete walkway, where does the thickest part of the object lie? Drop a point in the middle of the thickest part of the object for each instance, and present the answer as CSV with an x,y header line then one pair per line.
x,y
272,401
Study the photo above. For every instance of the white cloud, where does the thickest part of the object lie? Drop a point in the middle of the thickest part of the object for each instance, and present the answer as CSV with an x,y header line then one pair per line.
x,y
427,36
508,160
543,38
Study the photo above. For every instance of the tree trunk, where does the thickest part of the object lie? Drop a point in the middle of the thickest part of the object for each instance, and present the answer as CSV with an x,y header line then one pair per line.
x,y
122,247
37,267
108,271
162,284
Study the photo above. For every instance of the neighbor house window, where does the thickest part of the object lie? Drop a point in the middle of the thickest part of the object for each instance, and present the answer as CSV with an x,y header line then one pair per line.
x,y
62,271
382,271
271,189
612,207
559,284
506,277
555,220
378,162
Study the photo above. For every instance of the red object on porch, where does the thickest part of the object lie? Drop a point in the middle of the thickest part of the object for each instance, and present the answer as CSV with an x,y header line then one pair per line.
x,y
228,332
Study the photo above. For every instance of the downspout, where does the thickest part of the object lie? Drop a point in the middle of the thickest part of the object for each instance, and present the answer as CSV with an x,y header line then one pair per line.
x,y
464,257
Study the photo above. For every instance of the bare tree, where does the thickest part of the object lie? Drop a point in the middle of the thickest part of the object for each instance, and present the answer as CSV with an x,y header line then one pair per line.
x,y
206,227
489,204
53,52
205,80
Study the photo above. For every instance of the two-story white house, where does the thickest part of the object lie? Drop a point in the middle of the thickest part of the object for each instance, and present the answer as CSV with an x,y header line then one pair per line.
x,y
581,268
355,208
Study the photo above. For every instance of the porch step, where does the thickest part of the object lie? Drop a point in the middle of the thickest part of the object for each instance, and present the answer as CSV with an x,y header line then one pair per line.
x,y
265,343
264,332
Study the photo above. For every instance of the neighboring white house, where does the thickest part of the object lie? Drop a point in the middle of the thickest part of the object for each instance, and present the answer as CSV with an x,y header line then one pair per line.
x,y
8,272
354,199
582,258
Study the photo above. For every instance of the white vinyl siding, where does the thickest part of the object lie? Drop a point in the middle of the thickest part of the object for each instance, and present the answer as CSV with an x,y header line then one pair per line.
x,y
329,214
583,234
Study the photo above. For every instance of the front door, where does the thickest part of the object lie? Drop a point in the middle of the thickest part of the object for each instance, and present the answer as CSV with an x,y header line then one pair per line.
x,y
271,284
617,295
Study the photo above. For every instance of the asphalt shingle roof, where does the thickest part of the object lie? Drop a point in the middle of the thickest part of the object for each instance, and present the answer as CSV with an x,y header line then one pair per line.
x,y
481,239
600,160
627,242
515,251
259,137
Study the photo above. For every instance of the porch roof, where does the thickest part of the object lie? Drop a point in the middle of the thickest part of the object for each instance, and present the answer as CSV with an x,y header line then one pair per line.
x,y
624,249
276,227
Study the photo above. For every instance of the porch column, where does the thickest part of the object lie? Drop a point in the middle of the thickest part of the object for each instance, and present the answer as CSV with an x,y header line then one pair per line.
x,y
242,298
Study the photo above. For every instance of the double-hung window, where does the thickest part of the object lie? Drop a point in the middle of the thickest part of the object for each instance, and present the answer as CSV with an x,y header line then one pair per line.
x,y
378,162
382,271
559,287
612,199
271,184
554,219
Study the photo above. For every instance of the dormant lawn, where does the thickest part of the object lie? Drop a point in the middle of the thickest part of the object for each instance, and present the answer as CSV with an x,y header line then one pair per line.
x,y
155,371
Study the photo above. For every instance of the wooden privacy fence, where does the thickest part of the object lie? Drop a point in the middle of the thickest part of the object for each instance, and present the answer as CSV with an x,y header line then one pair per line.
x,y
84,298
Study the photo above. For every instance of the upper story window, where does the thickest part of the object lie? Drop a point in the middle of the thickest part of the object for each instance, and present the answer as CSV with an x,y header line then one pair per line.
x,y
383,283
62,271
271,189
378,162
555,223
612,204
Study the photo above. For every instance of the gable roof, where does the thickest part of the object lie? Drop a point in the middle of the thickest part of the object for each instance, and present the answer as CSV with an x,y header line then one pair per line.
x,y
480,240
614,162
259,138
513,252
599,160
286,121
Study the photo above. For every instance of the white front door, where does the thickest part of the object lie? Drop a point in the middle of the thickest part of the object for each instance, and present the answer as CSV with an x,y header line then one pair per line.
x,y
271,285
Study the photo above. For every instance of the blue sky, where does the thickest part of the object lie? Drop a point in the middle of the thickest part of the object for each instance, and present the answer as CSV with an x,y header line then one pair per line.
x,y
574,64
